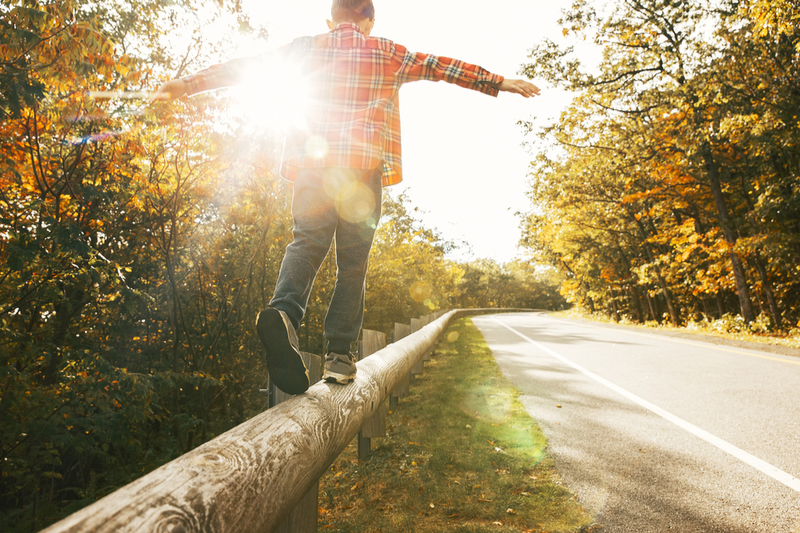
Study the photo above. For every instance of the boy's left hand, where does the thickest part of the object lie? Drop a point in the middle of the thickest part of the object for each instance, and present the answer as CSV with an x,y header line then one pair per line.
x,y
522,87
170,90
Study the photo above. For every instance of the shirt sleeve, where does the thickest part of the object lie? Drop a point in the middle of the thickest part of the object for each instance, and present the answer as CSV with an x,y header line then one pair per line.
x,y
416,66
237,71
226,74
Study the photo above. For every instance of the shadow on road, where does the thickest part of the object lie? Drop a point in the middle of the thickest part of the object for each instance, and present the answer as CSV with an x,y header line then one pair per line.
x,y
633,470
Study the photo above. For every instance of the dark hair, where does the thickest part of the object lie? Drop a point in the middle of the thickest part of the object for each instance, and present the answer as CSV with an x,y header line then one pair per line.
x,y
352,10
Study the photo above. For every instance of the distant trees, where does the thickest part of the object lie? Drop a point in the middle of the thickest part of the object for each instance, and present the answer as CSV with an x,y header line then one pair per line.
x,y
410,275
674,191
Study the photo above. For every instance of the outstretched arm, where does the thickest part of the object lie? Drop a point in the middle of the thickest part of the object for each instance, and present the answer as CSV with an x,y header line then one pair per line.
x,y
522,87
170,89
415,66
226,74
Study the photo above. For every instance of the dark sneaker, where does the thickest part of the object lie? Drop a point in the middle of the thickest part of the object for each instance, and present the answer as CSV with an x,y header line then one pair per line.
x,y
339,368
284,362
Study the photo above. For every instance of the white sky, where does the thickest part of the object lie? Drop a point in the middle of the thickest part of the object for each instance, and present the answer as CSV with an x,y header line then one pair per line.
x,y
464,166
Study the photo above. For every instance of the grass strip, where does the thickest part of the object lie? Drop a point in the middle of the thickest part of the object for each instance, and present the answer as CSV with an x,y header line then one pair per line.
x,y
461,455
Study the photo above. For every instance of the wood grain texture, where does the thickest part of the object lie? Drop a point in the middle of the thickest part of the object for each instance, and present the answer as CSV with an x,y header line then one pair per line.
x,y
250,478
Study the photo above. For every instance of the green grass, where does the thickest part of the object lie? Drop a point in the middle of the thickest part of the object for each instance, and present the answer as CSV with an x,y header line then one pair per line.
x,y
461,455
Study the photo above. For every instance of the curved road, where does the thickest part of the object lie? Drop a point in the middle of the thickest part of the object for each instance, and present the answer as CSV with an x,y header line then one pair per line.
x,y
659,434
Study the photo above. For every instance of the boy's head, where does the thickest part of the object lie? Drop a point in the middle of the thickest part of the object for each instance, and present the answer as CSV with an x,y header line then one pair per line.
x,y
361,12
352,10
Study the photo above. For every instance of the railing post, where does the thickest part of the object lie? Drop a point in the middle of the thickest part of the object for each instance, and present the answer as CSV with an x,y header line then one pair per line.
x,y
304,517
416,325
400,331
371,342
427,319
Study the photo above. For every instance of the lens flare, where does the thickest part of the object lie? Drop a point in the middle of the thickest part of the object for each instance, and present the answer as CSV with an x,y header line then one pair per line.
x,y
420,291
275,96
357,203
125,95
316,147
353,199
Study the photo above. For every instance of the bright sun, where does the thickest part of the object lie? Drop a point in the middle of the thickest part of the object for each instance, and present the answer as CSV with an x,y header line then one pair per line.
x,y
275,97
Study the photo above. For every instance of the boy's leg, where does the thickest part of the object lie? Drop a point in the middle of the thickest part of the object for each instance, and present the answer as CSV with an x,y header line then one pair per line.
x,y
314,216
359,213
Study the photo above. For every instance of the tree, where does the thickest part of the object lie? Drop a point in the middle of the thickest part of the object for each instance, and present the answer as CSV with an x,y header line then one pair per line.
x,y
661,186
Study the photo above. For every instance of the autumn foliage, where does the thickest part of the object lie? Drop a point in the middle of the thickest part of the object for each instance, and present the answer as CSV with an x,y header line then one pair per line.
x,y
669,190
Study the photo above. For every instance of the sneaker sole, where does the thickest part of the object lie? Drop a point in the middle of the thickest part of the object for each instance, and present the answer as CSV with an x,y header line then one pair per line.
x,y
335,377
284,362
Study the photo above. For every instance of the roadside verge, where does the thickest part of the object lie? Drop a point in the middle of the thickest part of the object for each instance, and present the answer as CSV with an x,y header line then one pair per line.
x,y
461,454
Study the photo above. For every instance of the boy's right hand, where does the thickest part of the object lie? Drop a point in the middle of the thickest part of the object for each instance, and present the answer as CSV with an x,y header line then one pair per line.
x,y
522,87
170,90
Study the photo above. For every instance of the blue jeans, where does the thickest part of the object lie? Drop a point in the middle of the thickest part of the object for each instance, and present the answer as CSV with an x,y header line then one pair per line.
x,y
331,204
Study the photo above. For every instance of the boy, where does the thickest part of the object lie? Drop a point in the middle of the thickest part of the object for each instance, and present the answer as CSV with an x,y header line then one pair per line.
x,y
339,161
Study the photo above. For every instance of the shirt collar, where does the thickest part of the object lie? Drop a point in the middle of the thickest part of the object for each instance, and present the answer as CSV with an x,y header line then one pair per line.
x,y
348,25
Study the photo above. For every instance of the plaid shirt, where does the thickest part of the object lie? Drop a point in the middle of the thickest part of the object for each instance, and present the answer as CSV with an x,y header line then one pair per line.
x,y
353,119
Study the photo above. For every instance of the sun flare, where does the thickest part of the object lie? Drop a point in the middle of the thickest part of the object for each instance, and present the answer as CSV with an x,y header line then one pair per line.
x,y
274,97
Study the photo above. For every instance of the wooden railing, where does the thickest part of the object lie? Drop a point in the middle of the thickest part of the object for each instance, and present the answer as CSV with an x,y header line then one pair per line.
x,y
251,478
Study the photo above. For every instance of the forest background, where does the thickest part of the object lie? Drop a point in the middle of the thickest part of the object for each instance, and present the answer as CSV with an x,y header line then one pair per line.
x,y
668,191
138,243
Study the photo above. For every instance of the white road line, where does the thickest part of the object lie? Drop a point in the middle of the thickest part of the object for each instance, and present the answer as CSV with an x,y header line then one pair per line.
x,y
762,466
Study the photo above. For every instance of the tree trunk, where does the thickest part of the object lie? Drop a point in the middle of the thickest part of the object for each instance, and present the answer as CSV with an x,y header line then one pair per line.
x,y
636,304
614,305
676,319
651,306
742,291
773,305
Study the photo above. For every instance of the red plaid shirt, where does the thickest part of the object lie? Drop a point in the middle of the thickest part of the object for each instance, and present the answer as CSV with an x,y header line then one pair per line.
x,y
354,119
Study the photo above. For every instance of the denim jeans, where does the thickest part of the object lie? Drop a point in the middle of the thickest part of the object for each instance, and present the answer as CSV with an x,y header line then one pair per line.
x,y
331,204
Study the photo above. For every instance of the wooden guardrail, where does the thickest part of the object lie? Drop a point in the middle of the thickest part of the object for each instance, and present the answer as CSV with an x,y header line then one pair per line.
x,y
250,478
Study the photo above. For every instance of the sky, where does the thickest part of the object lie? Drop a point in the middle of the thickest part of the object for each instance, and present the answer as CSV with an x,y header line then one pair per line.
x,y
465,168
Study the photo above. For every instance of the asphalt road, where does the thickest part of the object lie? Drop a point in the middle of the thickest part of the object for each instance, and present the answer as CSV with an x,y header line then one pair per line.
x,y
659,434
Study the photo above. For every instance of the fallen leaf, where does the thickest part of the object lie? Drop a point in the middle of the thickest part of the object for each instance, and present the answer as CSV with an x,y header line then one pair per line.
x,y
510,511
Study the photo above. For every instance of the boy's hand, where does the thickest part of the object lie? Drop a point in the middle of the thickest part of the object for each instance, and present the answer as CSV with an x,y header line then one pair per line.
x,y
170,90
522,87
